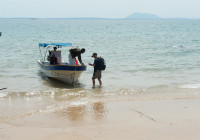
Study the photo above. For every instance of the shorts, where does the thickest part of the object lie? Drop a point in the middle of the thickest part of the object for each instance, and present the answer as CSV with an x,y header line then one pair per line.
x,y
97,74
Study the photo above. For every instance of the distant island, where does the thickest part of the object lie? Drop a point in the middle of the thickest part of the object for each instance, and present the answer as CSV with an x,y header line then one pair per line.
x,y
143,16
134,16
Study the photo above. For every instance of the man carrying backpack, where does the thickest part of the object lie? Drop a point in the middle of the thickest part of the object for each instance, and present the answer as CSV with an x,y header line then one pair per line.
x,y
98,67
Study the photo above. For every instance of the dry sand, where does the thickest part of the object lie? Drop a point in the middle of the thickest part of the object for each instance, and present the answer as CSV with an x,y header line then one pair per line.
x,y
119,120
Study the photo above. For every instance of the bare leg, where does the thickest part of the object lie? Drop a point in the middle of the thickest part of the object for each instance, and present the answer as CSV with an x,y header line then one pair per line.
x,y
100,83
93,81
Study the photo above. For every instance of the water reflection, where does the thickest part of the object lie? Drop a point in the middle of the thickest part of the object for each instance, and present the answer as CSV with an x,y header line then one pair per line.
x,y
76,113
79,104
98,110
79,113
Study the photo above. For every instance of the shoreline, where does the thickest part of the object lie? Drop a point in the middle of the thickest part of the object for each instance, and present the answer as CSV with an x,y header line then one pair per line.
x,y
141,120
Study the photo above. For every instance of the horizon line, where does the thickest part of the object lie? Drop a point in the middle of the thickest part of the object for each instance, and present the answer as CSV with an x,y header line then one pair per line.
x,y
126,18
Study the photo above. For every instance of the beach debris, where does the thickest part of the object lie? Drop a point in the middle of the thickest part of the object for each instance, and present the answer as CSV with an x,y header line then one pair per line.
x,y
145,115
2,88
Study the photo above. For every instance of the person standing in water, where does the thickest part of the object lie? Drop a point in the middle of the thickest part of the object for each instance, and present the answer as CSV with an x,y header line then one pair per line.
x,y
97,71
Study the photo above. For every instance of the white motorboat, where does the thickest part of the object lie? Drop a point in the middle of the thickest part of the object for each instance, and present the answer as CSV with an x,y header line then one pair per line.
x,y
61,71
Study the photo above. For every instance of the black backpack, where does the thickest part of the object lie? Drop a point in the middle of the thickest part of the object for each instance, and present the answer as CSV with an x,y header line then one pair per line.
x,y
101,64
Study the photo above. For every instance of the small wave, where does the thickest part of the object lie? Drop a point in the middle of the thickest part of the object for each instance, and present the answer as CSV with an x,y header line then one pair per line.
x,y
180,46
78,103
23,94
190,86
195,40
2,95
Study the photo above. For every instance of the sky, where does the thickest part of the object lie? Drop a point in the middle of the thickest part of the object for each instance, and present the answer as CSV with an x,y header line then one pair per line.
x,y
98,8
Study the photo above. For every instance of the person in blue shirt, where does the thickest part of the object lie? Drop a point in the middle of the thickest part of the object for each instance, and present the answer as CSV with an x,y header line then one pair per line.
x,y
97,71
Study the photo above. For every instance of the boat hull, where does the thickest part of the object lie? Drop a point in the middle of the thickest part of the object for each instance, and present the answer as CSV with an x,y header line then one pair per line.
x,y
65,73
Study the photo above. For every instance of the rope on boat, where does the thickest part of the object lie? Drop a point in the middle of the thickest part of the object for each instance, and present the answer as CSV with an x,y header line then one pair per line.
x,y
73,78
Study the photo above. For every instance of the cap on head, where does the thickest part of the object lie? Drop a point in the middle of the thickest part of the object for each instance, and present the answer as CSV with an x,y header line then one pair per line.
x,y
54,48
94,54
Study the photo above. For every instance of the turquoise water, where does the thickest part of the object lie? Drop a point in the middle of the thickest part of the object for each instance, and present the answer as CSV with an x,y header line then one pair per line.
x,y
141,55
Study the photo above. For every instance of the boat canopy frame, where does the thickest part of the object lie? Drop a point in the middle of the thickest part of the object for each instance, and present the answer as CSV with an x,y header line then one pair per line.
x,y
55,44
48,45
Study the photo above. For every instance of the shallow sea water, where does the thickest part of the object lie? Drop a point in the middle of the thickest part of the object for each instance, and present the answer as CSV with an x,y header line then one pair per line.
x,y
146,60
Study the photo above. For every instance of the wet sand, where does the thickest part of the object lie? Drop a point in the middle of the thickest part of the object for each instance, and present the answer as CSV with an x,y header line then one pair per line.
x,y
177,119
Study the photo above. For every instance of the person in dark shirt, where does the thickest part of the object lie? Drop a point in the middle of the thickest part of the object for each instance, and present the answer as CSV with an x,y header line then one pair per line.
x,y
97,71
52,56
53,59
75,53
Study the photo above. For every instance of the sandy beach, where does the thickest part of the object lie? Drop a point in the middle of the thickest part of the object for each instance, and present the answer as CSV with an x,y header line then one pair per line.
x,y
177,119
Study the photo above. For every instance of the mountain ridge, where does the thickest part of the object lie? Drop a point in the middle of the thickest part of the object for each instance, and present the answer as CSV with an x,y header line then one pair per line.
x,y
139,15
